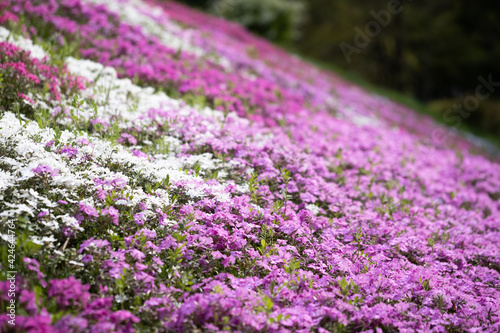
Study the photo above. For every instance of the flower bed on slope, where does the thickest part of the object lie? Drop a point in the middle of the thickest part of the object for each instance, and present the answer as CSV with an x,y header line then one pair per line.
x,y
135,210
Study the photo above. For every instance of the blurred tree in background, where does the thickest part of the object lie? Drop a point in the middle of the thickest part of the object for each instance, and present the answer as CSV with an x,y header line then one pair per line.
x,y
277,20
432,50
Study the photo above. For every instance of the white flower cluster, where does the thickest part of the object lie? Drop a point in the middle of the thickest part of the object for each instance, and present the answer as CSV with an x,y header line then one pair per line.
x,y
26,141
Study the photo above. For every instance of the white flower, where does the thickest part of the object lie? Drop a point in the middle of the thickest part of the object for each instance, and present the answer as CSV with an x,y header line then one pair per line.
x,y
71,222
72,262
43,240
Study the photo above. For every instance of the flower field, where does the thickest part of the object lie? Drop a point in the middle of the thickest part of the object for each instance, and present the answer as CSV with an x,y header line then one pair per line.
x,y
162,170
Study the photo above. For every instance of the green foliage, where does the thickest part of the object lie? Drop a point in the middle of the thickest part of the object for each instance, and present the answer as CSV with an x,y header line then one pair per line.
x,y
253,187
347,288
267,239
285,174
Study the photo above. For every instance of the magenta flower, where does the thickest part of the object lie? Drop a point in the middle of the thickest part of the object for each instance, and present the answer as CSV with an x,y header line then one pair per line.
x,y
84,142
138,218
34,265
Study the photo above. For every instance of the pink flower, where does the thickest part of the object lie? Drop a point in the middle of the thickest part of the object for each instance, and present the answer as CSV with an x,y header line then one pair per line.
x,y
138,218
87,258
139,153
69,150
84,142
43,213
28,298
69,292
136,254
26,98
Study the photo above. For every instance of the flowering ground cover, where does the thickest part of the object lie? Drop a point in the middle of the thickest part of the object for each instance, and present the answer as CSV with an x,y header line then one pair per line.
x,y
164,171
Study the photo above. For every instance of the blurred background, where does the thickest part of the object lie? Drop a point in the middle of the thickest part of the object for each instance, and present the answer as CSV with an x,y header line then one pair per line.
x,y
427,54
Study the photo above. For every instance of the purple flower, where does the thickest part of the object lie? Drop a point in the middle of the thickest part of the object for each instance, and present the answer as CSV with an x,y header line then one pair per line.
x,y
123,315
113,213
34,265
71,323
87,258
84,142
35,323
138,218
43,213
88,210
46,170
150,234
218,255
126,137
69,292
136,254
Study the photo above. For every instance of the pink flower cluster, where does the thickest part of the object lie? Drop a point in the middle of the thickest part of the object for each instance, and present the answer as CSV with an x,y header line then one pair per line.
x,y
328,225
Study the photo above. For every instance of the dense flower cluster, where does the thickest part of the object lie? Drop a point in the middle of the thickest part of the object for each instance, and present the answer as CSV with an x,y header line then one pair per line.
x,y
203,180
22,73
